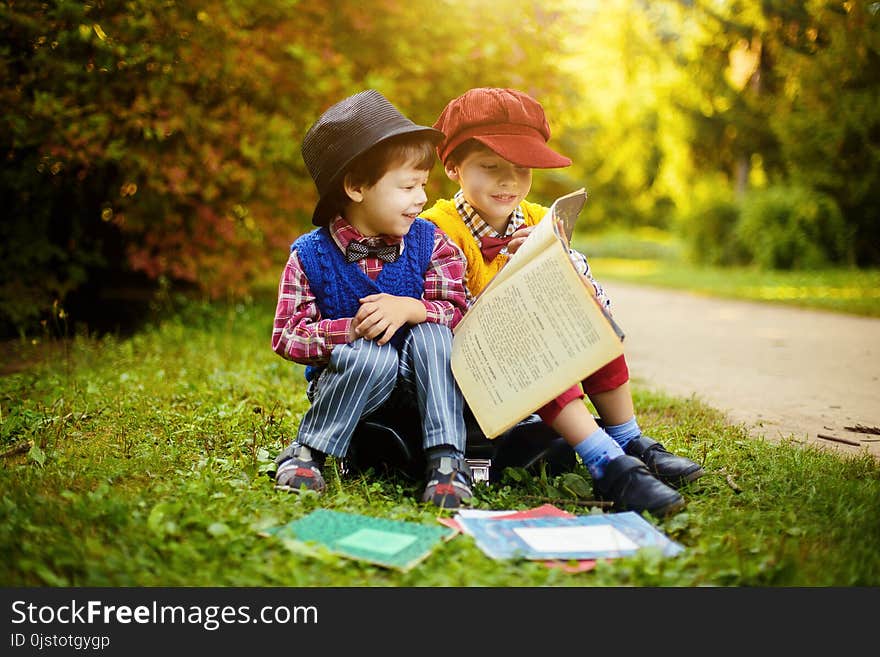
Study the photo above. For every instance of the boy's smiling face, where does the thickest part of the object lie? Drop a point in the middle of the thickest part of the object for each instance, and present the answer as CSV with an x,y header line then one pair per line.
x,y
391,205
492,185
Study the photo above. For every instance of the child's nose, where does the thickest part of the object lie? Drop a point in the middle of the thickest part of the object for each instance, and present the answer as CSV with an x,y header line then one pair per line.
x,y
507,176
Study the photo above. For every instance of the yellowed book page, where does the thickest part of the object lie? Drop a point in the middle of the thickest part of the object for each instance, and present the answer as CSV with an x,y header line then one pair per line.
x,y
534,336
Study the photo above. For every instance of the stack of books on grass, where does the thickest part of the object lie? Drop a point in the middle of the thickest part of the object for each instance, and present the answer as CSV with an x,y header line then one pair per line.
x,y
545,533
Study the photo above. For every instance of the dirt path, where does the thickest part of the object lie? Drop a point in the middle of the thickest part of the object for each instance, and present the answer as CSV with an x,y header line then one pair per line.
x,y
782,371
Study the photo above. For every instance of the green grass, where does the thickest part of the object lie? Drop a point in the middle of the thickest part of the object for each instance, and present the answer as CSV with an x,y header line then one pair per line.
x,y
147,468
651,257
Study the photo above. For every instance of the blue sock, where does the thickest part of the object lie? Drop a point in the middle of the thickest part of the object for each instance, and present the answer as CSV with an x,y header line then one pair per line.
x,y
596,451
623,433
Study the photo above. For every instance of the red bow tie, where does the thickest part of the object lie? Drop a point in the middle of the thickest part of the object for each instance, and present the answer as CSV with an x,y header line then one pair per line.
x,y
491,246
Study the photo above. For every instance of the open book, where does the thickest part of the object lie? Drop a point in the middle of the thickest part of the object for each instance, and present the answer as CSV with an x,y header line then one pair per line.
x,y
535,330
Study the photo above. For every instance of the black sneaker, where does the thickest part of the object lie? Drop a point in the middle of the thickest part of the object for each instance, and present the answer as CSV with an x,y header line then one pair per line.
x,y
450,482
669,468
629,484
299,472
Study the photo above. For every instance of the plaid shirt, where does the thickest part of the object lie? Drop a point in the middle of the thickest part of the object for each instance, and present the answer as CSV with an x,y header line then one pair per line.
x,y
300,334
479,228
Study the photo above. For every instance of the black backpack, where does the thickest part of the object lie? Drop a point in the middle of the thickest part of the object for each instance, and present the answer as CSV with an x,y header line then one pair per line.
x,y
390,439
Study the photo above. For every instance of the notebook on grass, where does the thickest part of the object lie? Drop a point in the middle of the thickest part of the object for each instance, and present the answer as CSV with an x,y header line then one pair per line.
x,y
391,543
604,536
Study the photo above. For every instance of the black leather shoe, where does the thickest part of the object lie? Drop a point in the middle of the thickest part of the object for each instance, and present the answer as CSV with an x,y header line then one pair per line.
x,y
673,470
629,484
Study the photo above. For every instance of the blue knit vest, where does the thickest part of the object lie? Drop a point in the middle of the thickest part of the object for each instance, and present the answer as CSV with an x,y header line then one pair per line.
x,y
338,285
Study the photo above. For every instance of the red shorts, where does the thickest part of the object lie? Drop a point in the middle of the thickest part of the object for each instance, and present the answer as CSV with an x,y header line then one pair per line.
x,y
611,376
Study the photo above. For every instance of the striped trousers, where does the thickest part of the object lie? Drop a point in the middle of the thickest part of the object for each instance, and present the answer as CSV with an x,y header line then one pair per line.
x,y
362,375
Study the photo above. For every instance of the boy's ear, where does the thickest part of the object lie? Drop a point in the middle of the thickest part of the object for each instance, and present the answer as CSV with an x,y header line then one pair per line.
x,y
354,191
451,171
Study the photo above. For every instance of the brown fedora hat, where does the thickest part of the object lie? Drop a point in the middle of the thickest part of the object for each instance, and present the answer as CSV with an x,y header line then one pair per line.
x,y
347,129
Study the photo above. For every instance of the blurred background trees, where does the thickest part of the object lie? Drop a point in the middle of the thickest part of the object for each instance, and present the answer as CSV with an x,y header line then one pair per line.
x,y
156,143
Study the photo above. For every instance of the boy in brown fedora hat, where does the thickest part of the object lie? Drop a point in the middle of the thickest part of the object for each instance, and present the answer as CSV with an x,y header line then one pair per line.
x,y
493,139
368,299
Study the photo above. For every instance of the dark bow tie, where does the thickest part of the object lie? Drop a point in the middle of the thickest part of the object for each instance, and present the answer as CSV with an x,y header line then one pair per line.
x,y
359,250
491,246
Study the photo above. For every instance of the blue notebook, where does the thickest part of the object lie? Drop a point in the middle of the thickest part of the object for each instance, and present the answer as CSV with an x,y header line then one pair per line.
x,y
605,536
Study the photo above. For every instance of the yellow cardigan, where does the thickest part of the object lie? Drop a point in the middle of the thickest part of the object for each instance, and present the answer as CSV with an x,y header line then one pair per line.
x,y
479,272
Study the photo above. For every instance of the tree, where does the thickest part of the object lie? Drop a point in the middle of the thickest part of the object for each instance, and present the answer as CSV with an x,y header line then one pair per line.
x,y
799,98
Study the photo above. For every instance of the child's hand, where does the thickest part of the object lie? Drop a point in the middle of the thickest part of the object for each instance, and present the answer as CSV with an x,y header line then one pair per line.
x,y
519,237
380,315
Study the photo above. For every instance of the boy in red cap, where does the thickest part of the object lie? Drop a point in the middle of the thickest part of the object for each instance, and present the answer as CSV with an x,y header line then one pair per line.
x,y
494,138
367,300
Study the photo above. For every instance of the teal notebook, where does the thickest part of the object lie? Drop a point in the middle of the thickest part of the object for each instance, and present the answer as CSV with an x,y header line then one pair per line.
x,y
391,543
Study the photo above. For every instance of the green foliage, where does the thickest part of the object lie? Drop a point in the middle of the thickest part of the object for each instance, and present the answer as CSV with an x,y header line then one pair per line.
x,y
148,459
709,228
793,228
829,134
761,104
779,227
644,243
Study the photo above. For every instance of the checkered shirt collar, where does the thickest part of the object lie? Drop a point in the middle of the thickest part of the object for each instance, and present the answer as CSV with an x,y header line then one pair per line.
x,y
343,232
478,227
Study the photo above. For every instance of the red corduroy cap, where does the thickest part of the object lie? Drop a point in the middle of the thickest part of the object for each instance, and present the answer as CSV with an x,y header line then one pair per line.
x,y
508,121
